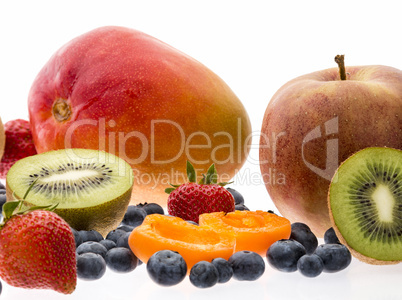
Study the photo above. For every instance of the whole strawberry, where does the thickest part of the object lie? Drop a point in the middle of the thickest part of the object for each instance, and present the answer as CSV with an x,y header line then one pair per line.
x,y
19,144
189,200
37,250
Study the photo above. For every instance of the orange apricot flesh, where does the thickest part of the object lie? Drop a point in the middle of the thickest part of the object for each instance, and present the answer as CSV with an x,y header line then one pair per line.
x,y
194,243
253,230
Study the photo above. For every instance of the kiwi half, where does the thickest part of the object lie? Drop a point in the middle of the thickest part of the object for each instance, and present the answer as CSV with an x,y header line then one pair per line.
x,y
365,203
92,188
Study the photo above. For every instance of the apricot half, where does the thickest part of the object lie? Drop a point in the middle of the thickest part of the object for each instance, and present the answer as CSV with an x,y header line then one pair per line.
x,y
194,243
253,230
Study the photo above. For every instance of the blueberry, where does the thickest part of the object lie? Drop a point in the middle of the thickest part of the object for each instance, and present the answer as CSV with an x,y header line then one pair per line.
x,y
241,207
90,266
123,241
271,211
204,275
108,244
224,268
2,191
77,237
134,216
284,254
3,200
126,228
121,260
310,265
247,265
2,186
90,235
92,247
301,232
114,235
335,257
238,198
1,287
153,208
166,267
330,237
192,222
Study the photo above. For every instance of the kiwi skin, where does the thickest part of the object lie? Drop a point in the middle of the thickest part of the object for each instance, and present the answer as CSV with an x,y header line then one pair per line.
x,y
356,254
103,220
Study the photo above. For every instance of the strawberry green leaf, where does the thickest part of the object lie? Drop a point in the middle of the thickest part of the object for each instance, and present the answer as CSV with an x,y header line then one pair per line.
x,y
191,174
169,190
172,188
50,207
9,207
225,183
202,180
29,189
212,175
18,207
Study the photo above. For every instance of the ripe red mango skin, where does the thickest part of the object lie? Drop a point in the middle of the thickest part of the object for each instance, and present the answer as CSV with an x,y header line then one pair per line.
x,y
137,97
363,111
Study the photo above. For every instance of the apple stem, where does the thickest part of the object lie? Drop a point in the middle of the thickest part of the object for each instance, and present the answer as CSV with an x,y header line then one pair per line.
x,y
340,60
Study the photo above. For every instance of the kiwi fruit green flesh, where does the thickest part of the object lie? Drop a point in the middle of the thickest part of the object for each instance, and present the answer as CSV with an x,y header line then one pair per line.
x,y
92,188
365,203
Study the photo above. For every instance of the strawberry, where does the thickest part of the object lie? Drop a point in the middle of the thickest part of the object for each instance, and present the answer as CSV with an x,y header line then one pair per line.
x,y
192,199
37,249
19,144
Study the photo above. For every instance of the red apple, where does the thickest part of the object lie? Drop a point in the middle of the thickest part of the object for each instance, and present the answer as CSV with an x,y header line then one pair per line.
x,y
316,121
125,92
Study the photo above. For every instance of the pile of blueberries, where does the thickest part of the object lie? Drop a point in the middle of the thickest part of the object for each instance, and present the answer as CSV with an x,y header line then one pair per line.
x,y
95,253
300,252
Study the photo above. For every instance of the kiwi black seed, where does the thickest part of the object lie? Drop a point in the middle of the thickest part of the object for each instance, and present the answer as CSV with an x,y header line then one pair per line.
x,y
365,201
98,174
92,188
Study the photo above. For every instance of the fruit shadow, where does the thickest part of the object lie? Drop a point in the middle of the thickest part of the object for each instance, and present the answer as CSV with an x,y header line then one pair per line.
x,y
326,286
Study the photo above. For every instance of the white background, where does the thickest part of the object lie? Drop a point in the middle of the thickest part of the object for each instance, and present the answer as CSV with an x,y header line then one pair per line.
x,y
255,46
